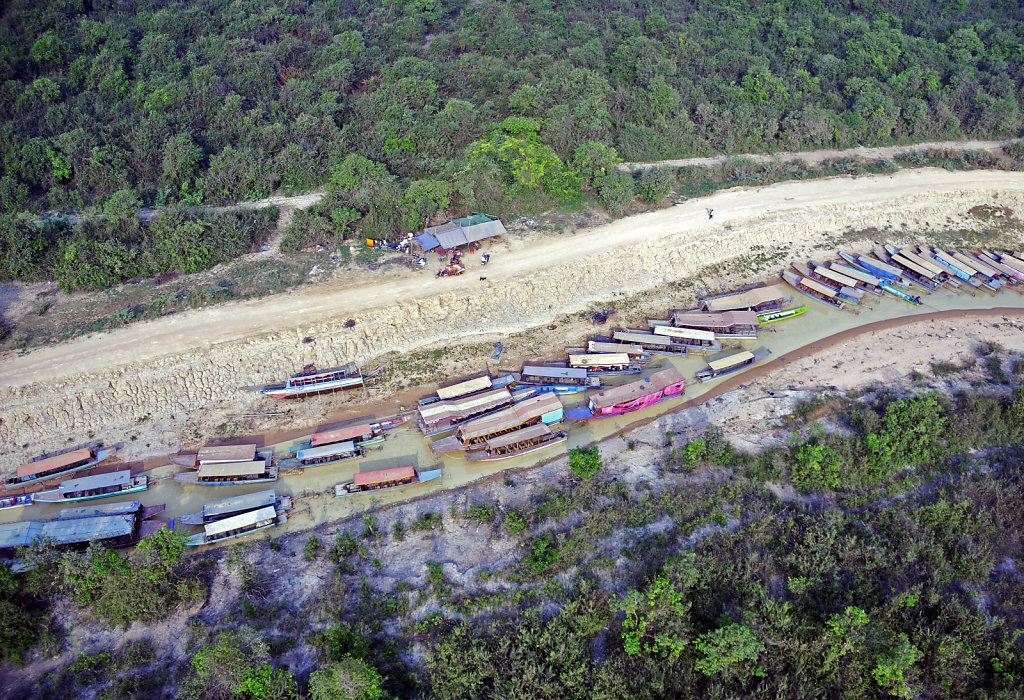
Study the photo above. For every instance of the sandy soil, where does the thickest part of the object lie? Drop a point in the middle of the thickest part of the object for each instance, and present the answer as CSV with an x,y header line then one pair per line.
x,y
149,377
815,157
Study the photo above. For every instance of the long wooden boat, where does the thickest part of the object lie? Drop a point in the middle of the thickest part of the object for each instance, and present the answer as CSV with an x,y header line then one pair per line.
x,y
21,501
849,287
437,417
230,473
601,364
671,344
543,408
921,275
237,526
812,289
311,381
641,393
115,525
759,300
781,315
1009,272
1011,261
607,346
846,293
518,443
724,366
989,278
324,455
227,507
726,325
693,340
385,480
87,488
557,380
951,267
59,465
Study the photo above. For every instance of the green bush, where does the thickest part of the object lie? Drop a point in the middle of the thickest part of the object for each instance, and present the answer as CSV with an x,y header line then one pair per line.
x,y
585,462
311,550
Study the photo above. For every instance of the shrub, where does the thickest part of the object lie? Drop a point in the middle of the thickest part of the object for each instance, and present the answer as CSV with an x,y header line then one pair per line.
x,y
585,462
543,553
346,679
311,550
344,546
514,522
426,521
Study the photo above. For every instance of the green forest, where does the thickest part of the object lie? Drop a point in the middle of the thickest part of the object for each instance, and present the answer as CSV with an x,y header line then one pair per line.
x,y
417,108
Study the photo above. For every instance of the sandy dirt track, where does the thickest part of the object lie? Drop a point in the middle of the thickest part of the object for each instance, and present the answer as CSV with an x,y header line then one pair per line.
x,y
107,385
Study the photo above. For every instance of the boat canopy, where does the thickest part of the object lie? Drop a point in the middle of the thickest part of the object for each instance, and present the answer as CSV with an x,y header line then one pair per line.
x,y
859,275
226,469
596,346
634,390
99,511
337,448
599,360
249,501
744,300
555,372
913,266
20,534
381,475
959,264
818,287
976,264
211,454
1010,261
339,434
835,276
236,522
100,481
878,264
466,387
721,319
513,416
923,261
56,462
641,338
434,412
529,433
731,361
688,333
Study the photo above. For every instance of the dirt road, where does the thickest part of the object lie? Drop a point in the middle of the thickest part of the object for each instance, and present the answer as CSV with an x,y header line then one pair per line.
x,y
198,361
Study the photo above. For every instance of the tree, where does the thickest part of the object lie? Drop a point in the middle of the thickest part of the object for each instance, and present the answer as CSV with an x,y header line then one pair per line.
x,y
894,664
585,462
732,651
347,679
657,621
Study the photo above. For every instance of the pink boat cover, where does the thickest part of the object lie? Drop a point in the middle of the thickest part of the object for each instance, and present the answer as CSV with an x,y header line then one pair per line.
x,y
341,434
55,462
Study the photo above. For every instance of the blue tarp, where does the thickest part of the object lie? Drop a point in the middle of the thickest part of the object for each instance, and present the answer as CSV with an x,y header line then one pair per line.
x,y
427,241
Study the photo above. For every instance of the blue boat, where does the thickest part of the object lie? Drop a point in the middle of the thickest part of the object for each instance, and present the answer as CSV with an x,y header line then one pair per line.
x,y
900,294
950,264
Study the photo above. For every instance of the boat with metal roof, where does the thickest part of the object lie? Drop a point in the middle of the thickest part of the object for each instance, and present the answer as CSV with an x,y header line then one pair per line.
x,y
990,259
731,364
385,480
726,325
954,268
117,483
846,293
557,380
693,340
600,364
543,408
659,344
921,275
444,415
865,280
518,443
849,287
227,473
237,526
59,465
311,381
758,299
663,385
21,501
815,290
227,507
322,456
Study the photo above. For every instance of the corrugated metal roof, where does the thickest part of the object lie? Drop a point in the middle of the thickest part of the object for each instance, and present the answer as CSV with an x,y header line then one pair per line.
x,y
974,264
628,348
433,412
97,482
878,264
641,338
634,390
744,300
599,360
221,469
340,434
99,511
720,319
483,230
20,534
923,261
55,462
818,287
379,475
249,501
452,239
87,529
690,333
1011,261
560,372
528,433
442,228
225,453
462,388
911,265
835,276
337,448
427,241
859,275
235,522
731,361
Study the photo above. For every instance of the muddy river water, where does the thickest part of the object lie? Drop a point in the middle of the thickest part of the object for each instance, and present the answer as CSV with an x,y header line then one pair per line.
x,y
313,489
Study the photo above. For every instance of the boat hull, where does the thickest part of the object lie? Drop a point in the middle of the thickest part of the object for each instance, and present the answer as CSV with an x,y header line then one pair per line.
x,y
54,495
774,316
484,457
554,389
295,392
199,539
15,501
340,490
100,456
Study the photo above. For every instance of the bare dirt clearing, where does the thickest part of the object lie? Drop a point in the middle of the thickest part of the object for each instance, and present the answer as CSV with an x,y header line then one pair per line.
x,y
147,378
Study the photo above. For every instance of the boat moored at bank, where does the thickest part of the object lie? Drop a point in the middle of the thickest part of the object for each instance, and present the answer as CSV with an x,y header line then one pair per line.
x,y
117,483
731,364
59,465
385,480
641,393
